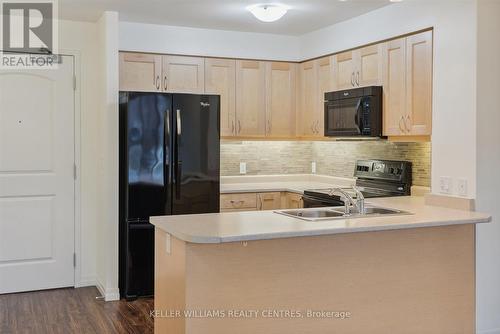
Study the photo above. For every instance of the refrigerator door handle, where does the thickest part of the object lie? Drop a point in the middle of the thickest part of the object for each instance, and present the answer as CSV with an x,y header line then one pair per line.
x,y
179,129
166,145
178,164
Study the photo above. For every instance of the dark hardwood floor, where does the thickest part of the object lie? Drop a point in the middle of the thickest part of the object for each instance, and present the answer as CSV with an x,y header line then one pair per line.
x,y
67,311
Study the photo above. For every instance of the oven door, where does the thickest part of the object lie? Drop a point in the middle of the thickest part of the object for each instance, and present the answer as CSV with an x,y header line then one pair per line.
x,y
344,117
313,202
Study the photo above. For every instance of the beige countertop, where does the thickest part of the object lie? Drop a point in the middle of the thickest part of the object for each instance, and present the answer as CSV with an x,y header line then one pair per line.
x,y
296,183
262,225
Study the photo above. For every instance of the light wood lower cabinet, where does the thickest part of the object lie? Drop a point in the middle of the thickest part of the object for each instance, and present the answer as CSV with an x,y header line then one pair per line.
x,y
294,201
260,201
269,201
240,201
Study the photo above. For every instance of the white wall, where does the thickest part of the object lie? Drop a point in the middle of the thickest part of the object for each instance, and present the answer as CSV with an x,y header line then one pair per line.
x,y
107,243
80,38
454,117
488,162
206,42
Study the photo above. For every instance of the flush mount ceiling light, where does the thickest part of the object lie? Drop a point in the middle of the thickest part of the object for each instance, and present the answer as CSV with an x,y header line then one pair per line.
x,y
268,12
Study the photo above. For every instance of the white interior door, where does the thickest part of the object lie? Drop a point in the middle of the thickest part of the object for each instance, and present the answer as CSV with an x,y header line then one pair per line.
x,y
36,178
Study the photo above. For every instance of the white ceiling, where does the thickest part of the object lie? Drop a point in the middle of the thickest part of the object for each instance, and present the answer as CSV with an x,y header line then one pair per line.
x,y
304,15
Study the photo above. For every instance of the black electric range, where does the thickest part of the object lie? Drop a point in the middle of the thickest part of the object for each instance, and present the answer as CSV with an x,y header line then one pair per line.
x,y
374,178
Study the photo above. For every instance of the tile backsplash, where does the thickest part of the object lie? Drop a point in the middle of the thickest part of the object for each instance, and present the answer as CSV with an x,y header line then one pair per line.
x,y
332,158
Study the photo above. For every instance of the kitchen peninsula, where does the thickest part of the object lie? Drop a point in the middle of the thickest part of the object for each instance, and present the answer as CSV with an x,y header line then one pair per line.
x,y
401,274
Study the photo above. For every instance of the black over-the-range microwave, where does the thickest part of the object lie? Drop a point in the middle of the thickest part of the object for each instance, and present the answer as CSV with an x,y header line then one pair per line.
x,y
354,112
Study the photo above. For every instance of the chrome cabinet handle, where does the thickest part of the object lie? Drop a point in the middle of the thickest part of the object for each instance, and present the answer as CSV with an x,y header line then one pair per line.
x,y
312,127
357,78
165,83
268,126
401,119
317,127
158,82
232,126
261,204
408,127
239,126
236,203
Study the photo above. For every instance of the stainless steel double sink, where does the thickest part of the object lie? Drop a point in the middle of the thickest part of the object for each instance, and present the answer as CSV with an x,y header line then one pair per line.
x,y
316,214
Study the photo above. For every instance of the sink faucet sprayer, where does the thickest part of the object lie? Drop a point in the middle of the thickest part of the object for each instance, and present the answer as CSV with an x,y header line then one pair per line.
x,y
358,204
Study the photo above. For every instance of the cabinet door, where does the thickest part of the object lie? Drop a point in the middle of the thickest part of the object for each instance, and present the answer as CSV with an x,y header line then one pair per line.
x,y
326,83
220,78
294,201
308,98
394,82
269,201
250,98
369,65
140,72
345,68
183,74
238,202
419,84
281,79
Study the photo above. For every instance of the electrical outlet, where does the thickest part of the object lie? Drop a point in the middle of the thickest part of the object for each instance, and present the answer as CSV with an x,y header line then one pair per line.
x,y
445,185
462,187
243,167
313,167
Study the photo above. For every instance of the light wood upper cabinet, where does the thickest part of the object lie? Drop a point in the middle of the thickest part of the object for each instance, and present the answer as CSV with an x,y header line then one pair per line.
x,y
140,72
345,68
369,66
250,98
308,93
407,81
419,84
326,83
359,68
220,78
183,74
281,90
394,90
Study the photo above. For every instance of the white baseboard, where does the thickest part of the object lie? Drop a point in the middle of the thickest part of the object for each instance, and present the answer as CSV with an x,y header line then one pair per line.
x,y
490,331
86,281
108,294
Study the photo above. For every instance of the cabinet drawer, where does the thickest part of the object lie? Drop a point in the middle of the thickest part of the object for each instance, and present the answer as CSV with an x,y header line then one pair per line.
x,y
238,201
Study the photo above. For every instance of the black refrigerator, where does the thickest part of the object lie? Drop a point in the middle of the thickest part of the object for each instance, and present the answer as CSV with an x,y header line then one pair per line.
x,y
169,165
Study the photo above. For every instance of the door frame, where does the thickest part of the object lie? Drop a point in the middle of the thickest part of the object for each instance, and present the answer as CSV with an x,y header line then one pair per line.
x,y
78,280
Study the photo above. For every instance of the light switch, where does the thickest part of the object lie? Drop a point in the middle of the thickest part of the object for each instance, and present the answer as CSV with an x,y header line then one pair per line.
x,y
462,187
243,167
445,185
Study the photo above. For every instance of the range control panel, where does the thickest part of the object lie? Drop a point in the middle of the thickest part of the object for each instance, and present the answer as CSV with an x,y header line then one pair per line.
x,y
399,171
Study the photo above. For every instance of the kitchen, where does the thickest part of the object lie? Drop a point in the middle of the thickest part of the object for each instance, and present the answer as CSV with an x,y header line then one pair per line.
x,y
286,136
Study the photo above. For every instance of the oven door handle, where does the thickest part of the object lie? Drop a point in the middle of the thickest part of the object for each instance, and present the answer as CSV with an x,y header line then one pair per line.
x,y
357,118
